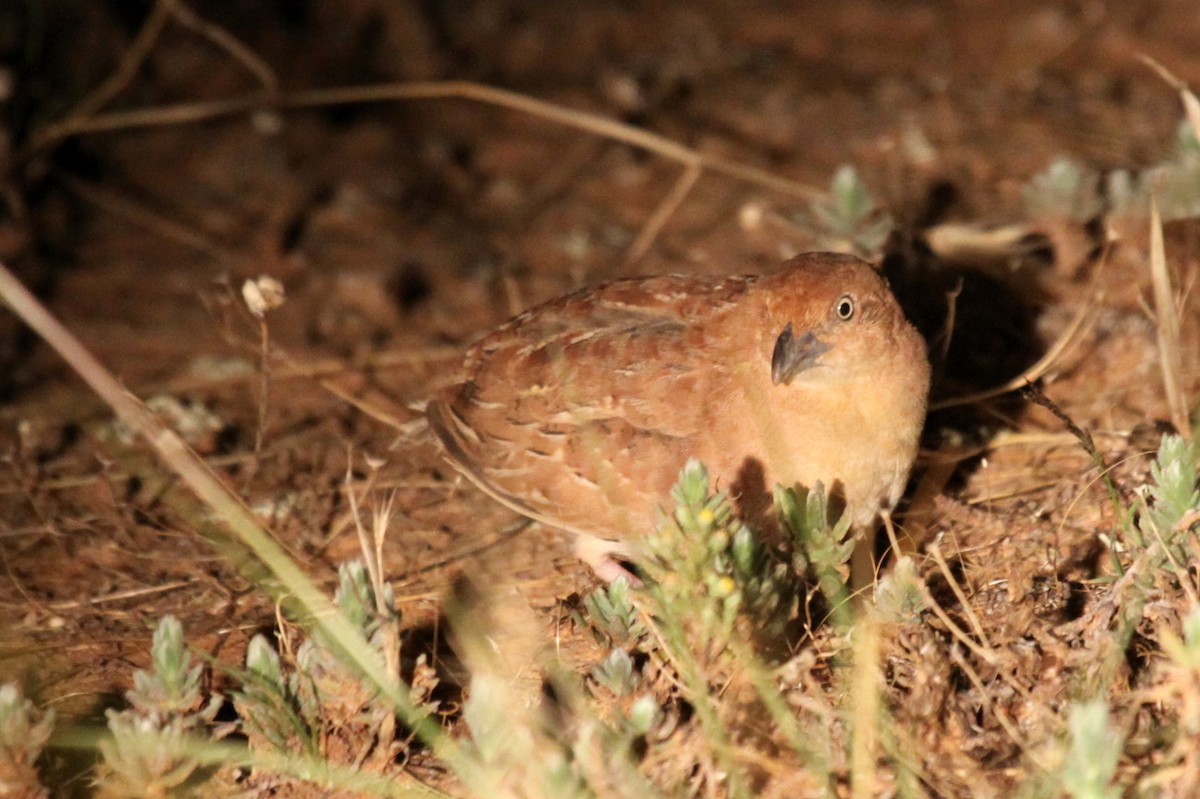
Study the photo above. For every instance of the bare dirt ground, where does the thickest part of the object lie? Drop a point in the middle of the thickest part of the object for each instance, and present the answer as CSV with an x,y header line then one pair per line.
x,y
401,230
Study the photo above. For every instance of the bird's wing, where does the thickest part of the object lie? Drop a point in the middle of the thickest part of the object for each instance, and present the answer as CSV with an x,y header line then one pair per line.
x,y
580,412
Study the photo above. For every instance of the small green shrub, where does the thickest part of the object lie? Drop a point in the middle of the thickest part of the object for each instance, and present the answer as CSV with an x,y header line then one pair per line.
x,y
145,754
24,731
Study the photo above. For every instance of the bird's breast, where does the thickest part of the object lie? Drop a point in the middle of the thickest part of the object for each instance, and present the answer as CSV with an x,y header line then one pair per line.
x,y
858,438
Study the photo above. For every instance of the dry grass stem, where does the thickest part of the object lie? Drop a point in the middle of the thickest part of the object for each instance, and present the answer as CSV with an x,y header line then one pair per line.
x,y
986,655
187,113
866,709
131,61
137,214
210,490
366,408
654,225
223,39
1191,104
1170,349
135,56
1001,717
963,602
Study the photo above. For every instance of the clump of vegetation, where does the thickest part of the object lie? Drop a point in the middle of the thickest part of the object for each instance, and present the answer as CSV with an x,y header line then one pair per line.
x,y
687,658
848,220
24,731
1066,188
146,753
716,610
1175,182
703,558
819,548
319,705
1094,752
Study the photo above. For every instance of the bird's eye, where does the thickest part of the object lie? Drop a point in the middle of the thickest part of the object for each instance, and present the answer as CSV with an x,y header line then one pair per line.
x,y
845,307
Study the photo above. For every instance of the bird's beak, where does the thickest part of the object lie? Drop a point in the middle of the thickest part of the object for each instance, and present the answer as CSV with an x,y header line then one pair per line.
x,y
794,354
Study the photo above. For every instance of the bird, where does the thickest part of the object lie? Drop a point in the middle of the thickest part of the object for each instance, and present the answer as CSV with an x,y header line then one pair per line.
x,y
580,412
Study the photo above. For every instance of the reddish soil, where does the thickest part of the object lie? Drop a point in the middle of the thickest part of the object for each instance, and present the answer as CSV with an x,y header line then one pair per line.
x,y
403,229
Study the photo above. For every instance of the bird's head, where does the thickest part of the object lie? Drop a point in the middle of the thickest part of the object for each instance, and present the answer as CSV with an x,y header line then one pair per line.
x,y
835,318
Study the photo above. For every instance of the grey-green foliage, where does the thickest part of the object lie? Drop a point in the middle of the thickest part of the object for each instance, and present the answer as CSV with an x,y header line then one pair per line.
x,y
342,694
644,716
766,582
718,600
817,544
526,751
849,220
271,705
1172,496
146,753
613,616
356,599
900,594
714,588
286,707
488,714
1066,188
519,755
703,558
616,673
1093,755
1185,668
24,731
688,556
1189,655
1175,182
1160,538
172,686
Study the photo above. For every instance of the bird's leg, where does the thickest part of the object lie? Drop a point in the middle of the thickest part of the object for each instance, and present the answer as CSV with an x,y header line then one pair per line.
x,y
862,565
863,569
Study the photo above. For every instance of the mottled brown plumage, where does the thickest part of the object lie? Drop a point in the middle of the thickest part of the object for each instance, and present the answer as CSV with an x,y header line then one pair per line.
x,y
581,412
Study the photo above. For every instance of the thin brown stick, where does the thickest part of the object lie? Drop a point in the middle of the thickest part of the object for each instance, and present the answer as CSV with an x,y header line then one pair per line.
x,y
944,568
1170,348
1191,104
1030,375
117,596
135,56
951,317
141,216
162,116
982,651
997,712
264,387
314,370
378,414
233,46
224,504
670,203
131,61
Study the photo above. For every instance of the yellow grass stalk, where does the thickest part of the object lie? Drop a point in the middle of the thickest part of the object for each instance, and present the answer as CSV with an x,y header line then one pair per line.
x,y
1170,351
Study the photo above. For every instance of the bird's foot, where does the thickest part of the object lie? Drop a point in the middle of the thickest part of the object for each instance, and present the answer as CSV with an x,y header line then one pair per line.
x,y
607,558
